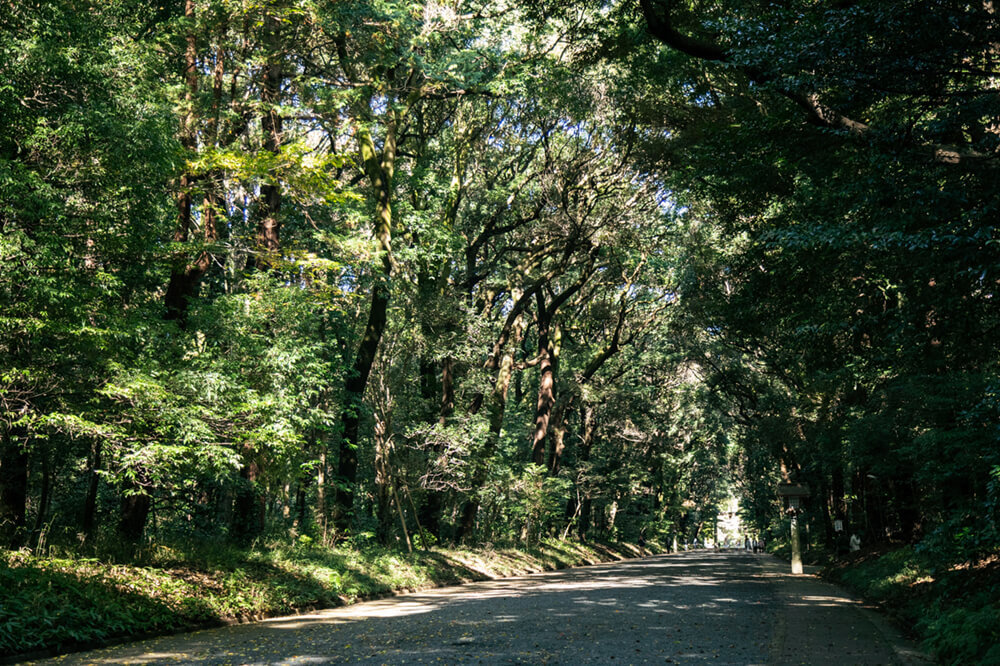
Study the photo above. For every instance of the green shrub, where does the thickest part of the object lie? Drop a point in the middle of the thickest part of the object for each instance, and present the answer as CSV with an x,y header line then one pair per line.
x,y
964,635
953,609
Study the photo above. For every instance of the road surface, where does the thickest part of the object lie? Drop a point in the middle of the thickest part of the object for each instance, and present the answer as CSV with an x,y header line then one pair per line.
x,y
687,608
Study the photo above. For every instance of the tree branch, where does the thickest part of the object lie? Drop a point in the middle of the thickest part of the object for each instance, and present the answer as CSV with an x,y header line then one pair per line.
x,y
660,26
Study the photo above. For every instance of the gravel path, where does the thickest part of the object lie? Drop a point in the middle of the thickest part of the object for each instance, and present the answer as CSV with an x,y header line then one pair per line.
x,y
696,607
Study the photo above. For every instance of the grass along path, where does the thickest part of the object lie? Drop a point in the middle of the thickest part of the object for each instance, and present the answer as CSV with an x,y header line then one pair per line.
x,y
954,609
53,605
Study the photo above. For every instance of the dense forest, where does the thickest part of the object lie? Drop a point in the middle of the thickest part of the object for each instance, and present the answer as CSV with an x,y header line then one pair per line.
x,y
466,271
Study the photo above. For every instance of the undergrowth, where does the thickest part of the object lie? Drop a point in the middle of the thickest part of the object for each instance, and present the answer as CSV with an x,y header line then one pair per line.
x,y
953,609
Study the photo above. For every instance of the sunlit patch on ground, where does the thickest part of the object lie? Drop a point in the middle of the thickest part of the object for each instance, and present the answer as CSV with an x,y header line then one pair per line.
x,y
692,607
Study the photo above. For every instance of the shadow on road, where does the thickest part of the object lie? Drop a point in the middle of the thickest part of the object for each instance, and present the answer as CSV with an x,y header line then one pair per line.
x,y
723,607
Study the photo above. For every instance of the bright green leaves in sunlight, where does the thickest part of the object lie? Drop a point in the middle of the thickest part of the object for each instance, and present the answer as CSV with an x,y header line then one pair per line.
x,y
310,177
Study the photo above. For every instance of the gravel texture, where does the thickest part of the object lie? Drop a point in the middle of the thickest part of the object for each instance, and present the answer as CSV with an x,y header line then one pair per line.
x,y
723,607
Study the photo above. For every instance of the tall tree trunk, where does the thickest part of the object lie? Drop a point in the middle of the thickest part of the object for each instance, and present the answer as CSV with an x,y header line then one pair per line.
x,y
13,486
557,436
250,508
447,408
250,505
321,493
380,173
428,388
402,516
44,494
905,499
382,436
873,503
268,227
496,408
183,281
430,515
135,507
548,353
383,480
301,509
586,444
838,494
354,390
429,385
186,276
549,344
826,514
90,500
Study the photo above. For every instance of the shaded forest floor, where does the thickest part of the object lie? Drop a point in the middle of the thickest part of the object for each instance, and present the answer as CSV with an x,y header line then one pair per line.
x,y
954,609
51,605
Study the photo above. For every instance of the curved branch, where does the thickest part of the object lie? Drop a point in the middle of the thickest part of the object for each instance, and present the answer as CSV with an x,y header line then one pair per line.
x,y
660,26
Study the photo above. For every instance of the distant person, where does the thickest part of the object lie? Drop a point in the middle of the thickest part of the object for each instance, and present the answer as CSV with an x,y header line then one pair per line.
x,y
746,543
855,543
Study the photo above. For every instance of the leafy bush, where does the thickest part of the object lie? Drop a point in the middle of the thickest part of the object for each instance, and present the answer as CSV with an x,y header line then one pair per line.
x,y
965,635
61,603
